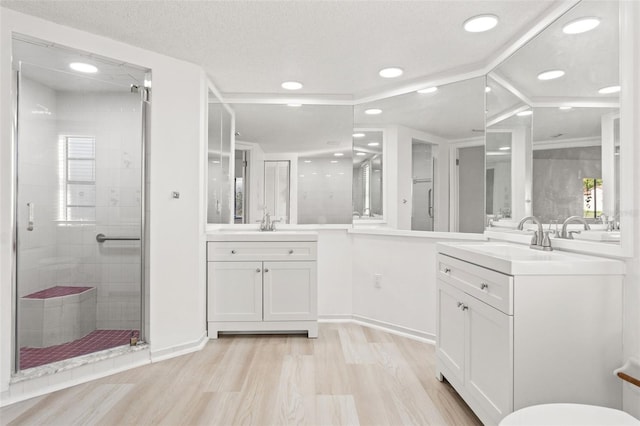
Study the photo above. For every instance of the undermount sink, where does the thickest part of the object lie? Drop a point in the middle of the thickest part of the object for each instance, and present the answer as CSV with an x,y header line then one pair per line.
x,y
253,235
517,259
606,236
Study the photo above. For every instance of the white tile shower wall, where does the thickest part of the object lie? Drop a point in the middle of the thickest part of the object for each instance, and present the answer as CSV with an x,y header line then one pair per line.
x,y
38,177
324,191
112,267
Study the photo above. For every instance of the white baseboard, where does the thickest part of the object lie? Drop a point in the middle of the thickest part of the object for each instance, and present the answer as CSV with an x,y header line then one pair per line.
x,y
183,349
407,332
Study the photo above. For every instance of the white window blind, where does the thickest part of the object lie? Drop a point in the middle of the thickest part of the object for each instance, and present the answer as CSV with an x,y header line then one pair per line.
x,y
80,176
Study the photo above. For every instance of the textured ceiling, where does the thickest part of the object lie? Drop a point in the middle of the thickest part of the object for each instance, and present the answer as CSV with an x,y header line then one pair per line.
x,y
333,47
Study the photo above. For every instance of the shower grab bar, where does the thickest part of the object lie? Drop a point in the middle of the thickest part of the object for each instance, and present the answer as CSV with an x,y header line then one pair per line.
x,y
101,238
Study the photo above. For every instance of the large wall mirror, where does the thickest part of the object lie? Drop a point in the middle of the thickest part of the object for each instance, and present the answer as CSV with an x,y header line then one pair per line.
x,y
421,141
553,128
290,161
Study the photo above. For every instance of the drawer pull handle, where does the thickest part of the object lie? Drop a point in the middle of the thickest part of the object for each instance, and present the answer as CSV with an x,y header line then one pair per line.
x,y
290,251
483,286
459,304
447,270
266,270
257,269
233,252
465,307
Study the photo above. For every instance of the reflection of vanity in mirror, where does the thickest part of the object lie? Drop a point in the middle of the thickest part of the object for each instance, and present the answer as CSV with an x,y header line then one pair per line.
x,y
553,123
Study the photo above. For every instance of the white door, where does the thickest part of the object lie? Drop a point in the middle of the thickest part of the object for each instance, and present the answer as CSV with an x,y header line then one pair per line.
x,y
451,329
489,357
235,291
290,291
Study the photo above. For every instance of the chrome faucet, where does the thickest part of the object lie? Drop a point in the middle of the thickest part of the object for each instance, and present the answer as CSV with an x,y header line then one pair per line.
x,y
569,235
540,240
266,225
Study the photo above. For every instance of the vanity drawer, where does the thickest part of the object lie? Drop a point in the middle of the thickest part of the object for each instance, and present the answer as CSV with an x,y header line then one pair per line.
x,y
493,288
247,250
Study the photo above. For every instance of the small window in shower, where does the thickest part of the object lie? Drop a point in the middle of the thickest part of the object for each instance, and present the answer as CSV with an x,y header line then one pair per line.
x,y
80,179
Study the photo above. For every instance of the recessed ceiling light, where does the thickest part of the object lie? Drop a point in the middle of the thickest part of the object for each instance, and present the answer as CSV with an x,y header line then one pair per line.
x,y
504,148
581,25
334,161
360,153
358,135
565,108
373,144
550,75
82,67
480,23
328,175
392,72
373,111
338,154
609,89
294,105
292,85
428,90
524,113
301,175
487,89
307,161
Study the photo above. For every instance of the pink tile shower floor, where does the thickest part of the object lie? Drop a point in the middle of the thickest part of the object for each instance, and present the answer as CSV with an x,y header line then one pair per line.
x,y
97,340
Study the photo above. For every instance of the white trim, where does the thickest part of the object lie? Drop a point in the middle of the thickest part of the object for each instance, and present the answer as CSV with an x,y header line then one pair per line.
x,y
177,350
454,177
398,330
566,143
391,232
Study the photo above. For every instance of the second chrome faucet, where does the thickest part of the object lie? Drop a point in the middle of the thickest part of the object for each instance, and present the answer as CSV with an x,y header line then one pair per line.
x,y
540,240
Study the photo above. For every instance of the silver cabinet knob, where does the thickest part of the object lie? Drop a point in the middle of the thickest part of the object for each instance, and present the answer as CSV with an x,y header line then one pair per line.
x,y
257,269
447,270
483,286
266,270
459,304
233,252
465,307
290,251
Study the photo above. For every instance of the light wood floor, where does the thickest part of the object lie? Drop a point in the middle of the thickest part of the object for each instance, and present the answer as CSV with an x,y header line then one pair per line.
x,y
350,375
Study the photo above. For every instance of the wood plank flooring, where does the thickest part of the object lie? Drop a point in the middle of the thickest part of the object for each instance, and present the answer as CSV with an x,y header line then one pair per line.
x,y
350,375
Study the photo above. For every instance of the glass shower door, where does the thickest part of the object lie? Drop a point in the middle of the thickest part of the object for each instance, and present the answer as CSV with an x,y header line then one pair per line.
x,y
79,185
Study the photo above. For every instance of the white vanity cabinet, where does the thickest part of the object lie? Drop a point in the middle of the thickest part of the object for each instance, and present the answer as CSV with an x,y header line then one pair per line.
x,y
507,341
263,285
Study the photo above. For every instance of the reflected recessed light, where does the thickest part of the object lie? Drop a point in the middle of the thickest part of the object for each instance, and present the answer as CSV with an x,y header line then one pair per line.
x,y
294,105
524,113
581,25
360,153
480,23
565,108
328,175
487,89
428,90
334,161
358,135
301,175
338,154
373,143
292,85
82,67
307,161
609,89
550,75
392,72
341,173
373,111
504,148
314,173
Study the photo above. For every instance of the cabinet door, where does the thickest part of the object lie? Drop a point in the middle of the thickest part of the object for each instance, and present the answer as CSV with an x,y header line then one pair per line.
x,y
451,329
489,357
290,291
234,291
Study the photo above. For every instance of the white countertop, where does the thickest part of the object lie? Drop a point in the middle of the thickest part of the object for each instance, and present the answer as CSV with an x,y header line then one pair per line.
x,y
519,259
268,236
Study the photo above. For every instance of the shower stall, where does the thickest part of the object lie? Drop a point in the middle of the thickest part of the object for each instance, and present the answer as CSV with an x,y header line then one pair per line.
x,y
79,202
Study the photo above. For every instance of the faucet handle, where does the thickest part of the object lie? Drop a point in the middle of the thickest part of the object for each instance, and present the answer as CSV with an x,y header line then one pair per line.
x,y
546,242
534,239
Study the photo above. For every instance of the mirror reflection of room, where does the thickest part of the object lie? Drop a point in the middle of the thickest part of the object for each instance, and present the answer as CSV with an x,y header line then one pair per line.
x,y
565,172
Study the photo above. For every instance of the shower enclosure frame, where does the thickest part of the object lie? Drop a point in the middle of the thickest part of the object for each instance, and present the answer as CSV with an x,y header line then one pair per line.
x,y
145,102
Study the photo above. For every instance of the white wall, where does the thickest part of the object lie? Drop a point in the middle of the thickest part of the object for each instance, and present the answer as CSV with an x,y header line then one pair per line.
x,y
176,226
334,274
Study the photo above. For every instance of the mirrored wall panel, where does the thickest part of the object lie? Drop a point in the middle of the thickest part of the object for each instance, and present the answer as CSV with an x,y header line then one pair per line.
x,y
422,130
219,157
293,162
565,85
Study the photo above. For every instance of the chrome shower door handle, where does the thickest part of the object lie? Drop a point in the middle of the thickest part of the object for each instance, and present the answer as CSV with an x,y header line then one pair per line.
x,y
30,208
430,199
